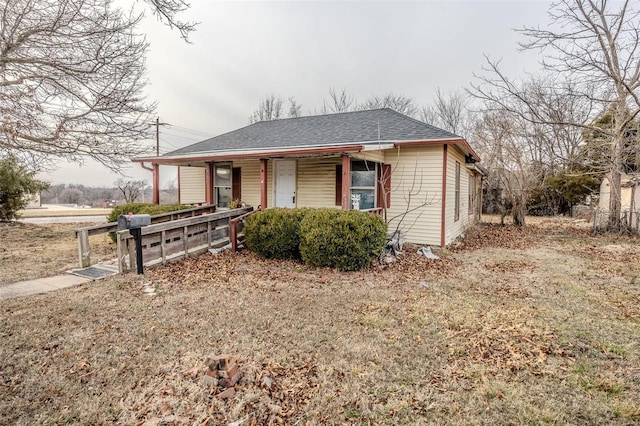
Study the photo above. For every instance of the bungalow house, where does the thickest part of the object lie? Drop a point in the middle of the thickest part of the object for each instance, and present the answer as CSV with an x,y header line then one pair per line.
x,y
424,180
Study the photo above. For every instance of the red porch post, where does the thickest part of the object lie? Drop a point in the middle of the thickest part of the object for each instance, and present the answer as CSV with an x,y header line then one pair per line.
x,y
208,182
156,183
346,182
263,183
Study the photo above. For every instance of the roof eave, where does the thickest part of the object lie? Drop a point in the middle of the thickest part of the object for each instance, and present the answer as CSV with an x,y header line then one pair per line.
x,y
303,150
452,141
248,154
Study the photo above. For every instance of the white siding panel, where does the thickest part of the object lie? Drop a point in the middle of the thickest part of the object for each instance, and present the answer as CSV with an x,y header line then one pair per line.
x,y
317,182
192,185
416,180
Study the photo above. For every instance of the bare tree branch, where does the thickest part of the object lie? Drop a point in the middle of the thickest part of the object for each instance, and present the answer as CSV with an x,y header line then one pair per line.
x,y
269,108
450,112
167,11
338,102
399,103
590,56
71,82
130,189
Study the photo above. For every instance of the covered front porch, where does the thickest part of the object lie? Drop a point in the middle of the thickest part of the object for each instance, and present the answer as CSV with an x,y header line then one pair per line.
x,y
343,179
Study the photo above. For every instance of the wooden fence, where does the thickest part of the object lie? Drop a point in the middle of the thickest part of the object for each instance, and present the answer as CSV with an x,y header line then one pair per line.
x,y
83,234
177,239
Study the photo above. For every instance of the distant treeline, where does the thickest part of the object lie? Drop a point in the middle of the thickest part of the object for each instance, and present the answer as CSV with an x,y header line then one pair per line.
x,y
99,196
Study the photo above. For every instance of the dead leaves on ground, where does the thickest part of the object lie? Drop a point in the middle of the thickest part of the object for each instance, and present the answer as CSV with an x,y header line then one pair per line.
x,y
243,268
267,394
498,340
510,266
486,235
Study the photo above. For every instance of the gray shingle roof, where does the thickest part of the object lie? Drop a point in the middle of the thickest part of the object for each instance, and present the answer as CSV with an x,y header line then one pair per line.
x,y
321,130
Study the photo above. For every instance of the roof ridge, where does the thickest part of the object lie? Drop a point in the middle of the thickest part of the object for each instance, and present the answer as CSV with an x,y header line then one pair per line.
x,y
323,130
431,126
319,115
262,122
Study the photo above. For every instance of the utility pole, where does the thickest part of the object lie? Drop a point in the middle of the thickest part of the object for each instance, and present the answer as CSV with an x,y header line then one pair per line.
x,y
158,124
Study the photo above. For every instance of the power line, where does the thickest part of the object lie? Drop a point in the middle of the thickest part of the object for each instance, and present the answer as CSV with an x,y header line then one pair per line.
x,y
165,142
186,129
195,135
181,136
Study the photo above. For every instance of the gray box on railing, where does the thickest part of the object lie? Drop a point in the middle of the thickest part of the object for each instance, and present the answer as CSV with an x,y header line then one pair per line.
x,y
133,221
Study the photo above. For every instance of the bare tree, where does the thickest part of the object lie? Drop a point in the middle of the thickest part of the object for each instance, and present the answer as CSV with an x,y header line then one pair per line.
x,y
72,80
449,112
594,48
505,143
70,196
295,109
269,108
338,101
402,104
170,193
130,189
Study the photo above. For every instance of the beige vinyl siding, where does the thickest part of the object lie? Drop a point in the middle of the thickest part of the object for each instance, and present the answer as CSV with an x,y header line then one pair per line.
x,y
250,184
454,228
416,179
316,182
192,185
250,181
270,194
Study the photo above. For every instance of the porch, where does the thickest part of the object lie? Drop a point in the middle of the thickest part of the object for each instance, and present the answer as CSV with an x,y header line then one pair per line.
x,y
341,180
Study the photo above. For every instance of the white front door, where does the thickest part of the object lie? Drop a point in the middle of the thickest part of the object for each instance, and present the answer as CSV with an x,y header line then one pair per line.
x,y
285,171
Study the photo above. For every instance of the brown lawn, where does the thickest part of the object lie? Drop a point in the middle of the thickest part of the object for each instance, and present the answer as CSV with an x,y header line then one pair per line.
x,y
533,326
31,251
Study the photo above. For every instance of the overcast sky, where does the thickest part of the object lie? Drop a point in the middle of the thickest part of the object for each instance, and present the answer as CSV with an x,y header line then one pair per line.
x,y
243,51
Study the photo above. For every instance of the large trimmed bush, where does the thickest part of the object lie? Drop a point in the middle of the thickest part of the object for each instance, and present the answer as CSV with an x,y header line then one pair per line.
x,y
142,208
275,233
346,240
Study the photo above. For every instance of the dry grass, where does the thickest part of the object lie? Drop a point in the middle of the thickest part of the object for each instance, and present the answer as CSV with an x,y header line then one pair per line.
x,y
33,251
52,212
544,330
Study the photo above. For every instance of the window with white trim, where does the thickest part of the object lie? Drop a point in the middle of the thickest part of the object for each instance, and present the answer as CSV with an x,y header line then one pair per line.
x,y
363,185
222,185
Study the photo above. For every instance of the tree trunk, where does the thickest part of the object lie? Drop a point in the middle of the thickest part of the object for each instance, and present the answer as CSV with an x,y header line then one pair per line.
x,y
615,204
518,212
615,180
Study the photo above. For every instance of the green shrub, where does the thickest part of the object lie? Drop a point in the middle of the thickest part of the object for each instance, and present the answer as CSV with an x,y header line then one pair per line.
x,y
16,184
141,208
347,240
275,233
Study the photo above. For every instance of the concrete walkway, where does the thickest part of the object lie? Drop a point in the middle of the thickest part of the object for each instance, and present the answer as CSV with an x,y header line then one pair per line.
x,y
40,285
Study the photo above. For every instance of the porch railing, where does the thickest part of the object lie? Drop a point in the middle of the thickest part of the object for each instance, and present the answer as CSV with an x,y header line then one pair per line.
x,y
234,225
83,234
177,239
